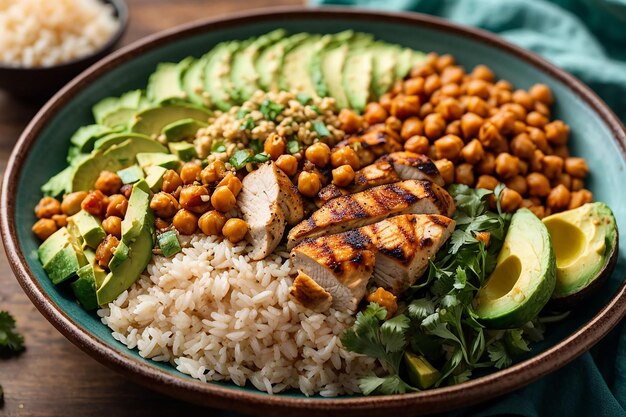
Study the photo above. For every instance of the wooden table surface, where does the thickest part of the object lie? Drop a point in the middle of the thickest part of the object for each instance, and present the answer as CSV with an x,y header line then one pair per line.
x,y
53,377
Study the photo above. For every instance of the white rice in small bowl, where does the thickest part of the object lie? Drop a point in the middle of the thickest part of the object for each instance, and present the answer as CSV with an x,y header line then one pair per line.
x,y
218,316
43,33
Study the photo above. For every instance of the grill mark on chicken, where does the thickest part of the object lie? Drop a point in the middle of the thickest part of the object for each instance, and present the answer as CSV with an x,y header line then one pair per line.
x,y
356,239
436,220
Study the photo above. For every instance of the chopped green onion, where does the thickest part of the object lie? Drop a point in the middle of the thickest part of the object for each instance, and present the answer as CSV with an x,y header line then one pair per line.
x,y
261,157
321,128
293,146
218,147
240,158
270,109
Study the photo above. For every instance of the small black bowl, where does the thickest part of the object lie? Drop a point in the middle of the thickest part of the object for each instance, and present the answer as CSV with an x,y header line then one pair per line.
x,y
41,82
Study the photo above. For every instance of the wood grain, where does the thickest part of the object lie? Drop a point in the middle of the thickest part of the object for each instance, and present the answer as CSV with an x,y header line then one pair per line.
x,y
53,377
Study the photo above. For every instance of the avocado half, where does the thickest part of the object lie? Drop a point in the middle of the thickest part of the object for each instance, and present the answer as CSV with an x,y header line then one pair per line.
x,y
523,280
585,242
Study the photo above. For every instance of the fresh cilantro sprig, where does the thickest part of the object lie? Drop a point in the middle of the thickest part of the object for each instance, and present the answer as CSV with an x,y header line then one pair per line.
x,y
270,109
10,340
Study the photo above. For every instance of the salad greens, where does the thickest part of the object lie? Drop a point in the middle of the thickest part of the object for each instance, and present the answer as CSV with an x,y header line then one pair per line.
x,y
11,342
436,320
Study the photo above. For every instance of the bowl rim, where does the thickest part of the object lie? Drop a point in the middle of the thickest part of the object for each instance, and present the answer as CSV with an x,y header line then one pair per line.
x,y
215,395
121,11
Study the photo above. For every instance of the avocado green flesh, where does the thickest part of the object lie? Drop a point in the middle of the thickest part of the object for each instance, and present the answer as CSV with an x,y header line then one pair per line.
x,y
183,150
270,61
104,107
193,81
584,240
524,277
61,256
217,81
164,160
421,373
89,227
131,174
295,73
154,177
385,61
151,122
85,137
138,213
169,244
182,129
59,184
165,84
107,141
84,288
357,77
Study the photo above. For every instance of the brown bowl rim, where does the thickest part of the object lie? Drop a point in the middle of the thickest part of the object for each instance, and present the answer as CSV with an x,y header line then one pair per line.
x,y
215,395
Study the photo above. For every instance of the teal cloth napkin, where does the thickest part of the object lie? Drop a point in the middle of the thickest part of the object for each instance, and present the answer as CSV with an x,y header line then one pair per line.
x,y
588,39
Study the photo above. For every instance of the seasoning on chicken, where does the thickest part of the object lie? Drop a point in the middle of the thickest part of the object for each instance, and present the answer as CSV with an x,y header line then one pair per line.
x,y
309,293
414,166
373,205
268,200
338,267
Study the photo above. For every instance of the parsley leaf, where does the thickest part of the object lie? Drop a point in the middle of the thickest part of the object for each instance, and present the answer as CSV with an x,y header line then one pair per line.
x,y
321,128
241,113
261,157
10,340
240,158
303,98
293,146
248,124
499,355
218,147
256,145
270,109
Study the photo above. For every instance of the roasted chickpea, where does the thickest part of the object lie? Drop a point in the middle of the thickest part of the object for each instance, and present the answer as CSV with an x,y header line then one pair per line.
x,y
522,146
126,190
343,175
385,101
557,132
318,153
274,146
405,106
446,169
561,151
212,222
113,226
538,184
464,174
235,230
117,206
345,156
47,207
95,203
108,182
434,126
565,179
451,90
161,224
374,113
288,164
349,121
517,183
232,182
541,93
504,121
164,205
444,61
482,72
478,88
417,144
502,97
171,181
542,109
309,184
489,135
558,199
523,167
454,128
487,165
426,109
519,128
185,222
539,211
577,184
539,139
105,250
71,202
190,172
450,109
477,106
524,99
536,119
414,86
43,228
223,199
452,74
536,161
60,219
194,198
507,165
487,181
576,167
504,85
470,125
510,200
393,123
449,147
210,175
432,83
578,198
411,127
552,166
473,151
518,110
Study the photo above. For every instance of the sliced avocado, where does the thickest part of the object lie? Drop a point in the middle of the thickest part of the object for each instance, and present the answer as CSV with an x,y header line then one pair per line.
x,y
182,129
154,177
115,138
139,214
85,137
357,77
385,62
193,81
217,81
131,174
85,286
59,184
61,256
164,160
244,75
120,255
127,272
119,118
183,150
168,243
585,243
295,74
524,277
104,107
89,227
270,61
151,121
115,158
421,373
407,59
165,84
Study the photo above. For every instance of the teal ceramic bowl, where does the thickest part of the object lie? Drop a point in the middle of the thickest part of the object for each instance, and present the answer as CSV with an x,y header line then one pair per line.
x,y
596,134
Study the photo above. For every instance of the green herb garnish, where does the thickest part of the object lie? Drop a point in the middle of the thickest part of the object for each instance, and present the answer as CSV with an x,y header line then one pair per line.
x,y
293,146
240,158
303,98
248,124
261,158
315,109
270,109
256,145
10,340
321,128
241,113
218,147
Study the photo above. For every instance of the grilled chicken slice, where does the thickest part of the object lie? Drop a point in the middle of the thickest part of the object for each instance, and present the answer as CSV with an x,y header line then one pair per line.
x,y
309,293
373,205
338,267
268,200
403,245
387,169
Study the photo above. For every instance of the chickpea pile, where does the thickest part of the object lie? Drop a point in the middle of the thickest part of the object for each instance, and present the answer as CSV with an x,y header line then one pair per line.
x,y
481,132
200,198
